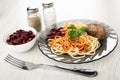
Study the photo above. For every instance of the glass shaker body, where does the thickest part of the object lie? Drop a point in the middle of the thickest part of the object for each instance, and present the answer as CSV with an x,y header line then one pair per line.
x,y
49,14
34,19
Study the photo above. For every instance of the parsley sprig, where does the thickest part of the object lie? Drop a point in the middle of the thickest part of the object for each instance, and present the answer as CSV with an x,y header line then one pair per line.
x,y
74,32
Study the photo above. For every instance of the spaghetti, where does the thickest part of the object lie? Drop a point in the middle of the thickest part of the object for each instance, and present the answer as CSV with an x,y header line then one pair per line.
x,y
78,47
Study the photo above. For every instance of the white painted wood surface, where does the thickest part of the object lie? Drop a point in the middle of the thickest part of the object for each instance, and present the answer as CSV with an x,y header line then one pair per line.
x,y
13,14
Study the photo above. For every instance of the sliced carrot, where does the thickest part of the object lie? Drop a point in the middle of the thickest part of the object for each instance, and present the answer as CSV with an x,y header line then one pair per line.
x,y
79,42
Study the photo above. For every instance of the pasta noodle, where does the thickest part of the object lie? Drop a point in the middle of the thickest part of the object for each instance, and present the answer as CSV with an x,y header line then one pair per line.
x,y
76,48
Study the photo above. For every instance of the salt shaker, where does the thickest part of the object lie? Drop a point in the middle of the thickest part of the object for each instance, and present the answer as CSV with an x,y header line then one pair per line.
x,y
34,18
49,14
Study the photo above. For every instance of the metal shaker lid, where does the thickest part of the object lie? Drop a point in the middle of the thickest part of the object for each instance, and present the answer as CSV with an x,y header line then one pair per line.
x,y
47,5
31,10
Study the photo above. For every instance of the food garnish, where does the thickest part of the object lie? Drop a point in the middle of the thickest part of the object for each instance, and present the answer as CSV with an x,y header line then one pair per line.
x,y
74,32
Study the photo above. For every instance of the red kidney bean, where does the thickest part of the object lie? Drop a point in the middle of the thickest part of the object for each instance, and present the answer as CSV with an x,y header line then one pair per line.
x,y
20,37
55,32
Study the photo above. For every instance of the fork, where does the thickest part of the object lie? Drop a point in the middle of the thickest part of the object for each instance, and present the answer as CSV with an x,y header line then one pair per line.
x,y
30,66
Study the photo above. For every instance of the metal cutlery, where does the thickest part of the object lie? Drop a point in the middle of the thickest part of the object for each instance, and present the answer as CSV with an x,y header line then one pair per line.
x,y
30,66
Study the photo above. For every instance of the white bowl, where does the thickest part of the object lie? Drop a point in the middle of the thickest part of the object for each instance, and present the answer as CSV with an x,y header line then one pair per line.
x,y
22,47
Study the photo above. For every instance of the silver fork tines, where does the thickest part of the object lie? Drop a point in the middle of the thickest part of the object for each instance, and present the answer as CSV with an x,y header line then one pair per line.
x,y
29,66
16,62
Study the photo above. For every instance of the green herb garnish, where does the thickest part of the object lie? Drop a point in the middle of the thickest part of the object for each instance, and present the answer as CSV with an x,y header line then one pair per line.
x,y
74,32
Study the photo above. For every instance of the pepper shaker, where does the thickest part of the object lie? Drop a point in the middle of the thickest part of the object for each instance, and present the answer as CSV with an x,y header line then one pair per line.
x,y
34,18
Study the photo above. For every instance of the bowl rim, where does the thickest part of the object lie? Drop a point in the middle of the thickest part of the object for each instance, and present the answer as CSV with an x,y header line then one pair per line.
x,y
15,29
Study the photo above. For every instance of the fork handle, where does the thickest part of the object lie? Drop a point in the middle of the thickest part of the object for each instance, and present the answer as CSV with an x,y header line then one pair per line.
x,y
85,72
